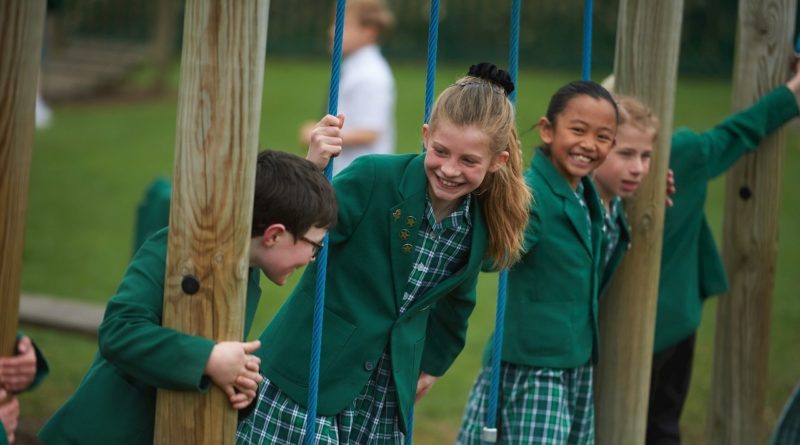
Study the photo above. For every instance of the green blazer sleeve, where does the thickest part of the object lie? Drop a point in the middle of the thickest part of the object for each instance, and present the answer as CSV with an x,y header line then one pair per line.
x,y
691,267
131,336
741,132
447,328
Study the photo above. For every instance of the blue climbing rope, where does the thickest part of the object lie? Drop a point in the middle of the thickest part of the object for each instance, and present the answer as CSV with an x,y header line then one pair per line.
x,y
430,81
322,258
586,62
489,432
433,44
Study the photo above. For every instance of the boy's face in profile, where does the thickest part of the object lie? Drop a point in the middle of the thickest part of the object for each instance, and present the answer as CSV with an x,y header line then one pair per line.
x,y
278,253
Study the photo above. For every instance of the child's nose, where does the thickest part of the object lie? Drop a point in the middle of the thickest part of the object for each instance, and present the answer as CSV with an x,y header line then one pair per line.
x,y
588,143
637,167
450,169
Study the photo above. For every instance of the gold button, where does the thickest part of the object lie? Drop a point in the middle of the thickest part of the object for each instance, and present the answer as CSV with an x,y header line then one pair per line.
x,y
397,214
404,234
407,248
411,221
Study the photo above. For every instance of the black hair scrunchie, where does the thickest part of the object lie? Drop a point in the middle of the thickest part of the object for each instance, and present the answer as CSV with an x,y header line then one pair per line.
x,y
490,72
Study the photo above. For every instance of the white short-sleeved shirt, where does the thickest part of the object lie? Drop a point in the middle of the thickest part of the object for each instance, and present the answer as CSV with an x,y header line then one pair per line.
x,y
367,99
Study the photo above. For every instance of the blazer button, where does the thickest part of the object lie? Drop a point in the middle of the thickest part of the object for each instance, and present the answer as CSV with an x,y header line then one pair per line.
x,y
368,365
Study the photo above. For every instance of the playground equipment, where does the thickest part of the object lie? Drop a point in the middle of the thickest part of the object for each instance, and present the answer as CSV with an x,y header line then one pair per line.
x,y
765,33
646,28
219,110
645,66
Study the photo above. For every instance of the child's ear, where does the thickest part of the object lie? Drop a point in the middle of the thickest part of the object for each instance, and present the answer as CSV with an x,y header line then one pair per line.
x,y
545,130
500,160
272,233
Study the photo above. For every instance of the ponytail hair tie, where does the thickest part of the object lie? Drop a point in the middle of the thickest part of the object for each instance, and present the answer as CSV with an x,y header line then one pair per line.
x,y
490,72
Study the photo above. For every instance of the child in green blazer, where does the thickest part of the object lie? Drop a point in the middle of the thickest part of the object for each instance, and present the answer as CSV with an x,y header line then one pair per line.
x,y
620,175
550,340
404,259
20,372
115,403
691,267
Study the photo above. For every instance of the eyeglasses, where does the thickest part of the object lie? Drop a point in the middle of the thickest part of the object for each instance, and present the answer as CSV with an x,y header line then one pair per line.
x,y
315,245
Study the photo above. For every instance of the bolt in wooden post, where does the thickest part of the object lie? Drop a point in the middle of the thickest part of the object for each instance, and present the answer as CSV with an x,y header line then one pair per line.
x,y
21,28
764,41
219,109
645,66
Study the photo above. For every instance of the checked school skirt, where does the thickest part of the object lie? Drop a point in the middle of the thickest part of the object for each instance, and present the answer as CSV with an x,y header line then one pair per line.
x,y
372,418
545,406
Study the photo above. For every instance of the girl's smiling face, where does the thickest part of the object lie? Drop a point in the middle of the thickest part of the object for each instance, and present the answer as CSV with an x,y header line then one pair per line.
x,y
581,136
456,162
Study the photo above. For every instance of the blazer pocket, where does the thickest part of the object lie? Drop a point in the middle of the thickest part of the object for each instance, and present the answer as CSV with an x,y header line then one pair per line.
x,y
294,357
548,328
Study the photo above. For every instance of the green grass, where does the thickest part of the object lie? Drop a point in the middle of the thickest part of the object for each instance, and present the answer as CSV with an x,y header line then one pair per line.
x,y
91,167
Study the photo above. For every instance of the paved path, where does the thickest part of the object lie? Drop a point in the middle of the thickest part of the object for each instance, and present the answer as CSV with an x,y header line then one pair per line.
x,y
60,313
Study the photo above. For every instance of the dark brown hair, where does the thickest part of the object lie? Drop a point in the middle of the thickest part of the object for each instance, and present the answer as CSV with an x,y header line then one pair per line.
x,y
291,191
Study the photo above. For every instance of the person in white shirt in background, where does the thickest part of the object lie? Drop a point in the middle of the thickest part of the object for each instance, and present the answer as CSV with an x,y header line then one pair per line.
x,y
366,86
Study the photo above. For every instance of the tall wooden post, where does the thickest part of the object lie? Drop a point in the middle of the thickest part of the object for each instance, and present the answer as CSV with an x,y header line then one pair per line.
x,y
736,415
21,29
219,110
645,66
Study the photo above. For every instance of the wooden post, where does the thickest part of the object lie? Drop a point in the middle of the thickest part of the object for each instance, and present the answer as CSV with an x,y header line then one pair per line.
x,y
21,29
645,66
219,110
750,231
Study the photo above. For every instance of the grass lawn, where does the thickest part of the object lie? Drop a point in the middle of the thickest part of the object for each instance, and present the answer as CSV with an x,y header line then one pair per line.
x,y
91,167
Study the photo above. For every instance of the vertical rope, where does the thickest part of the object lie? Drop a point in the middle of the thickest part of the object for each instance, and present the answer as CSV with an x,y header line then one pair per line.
x,y
490,430
586,71
322,259
513,48
430,80
433,44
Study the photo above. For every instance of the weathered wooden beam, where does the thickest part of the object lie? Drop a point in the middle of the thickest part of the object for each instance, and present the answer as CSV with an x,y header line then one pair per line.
x,y
21,29
764,40
219,110
645,66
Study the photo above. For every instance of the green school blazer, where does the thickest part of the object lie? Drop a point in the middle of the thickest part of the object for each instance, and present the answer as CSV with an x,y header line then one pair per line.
x,y
551,314
691,267
115,402
381,200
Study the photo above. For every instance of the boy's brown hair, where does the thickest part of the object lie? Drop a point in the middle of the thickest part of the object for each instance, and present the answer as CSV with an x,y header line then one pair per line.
x,y
291,191
633,112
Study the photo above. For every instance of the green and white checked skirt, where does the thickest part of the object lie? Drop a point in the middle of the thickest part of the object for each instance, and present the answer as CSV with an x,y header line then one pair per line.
x,y
372,418
538,406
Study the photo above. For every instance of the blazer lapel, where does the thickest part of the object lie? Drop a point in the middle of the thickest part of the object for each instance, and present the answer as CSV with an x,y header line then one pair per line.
x,y
597,213
576,214
404,221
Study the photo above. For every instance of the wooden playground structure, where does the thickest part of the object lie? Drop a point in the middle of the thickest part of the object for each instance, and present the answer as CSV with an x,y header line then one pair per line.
x,y
218,121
